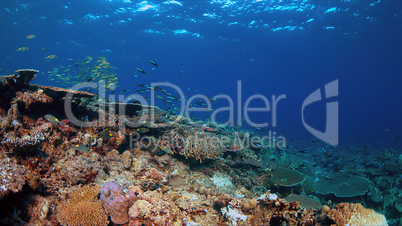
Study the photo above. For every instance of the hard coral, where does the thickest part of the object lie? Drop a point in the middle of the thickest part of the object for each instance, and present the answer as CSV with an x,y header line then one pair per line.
x,y
203,146
116,202
82,213
25,143
356,214
12,177
28,98
286,177
342,186
83,208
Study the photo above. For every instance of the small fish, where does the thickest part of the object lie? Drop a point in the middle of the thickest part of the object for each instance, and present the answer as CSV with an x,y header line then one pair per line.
x,y
30,37
281,150
160,97
22,49
209,109
211,99
153,63
304,151
331,155
140,70
154,149
181,72
173,98
303,165
125,90
105,135
142,130
324,151
144,85
150,125
80,147
167,150
44,49
328,165
50,57
340,171
52,119
142,91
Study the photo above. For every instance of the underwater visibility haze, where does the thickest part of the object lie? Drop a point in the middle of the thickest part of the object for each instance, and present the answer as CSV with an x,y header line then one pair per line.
x,y
215,112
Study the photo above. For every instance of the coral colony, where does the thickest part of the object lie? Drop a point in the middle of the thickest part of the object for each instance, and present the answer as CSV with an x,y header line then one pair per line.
x,y
151,167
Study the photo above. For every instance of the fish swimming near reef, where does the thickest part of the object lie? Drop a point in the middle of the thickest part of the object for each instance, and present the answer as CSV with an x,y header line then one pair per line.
x,y
105,135
50,57
156,150
22,49
150,125
140,70
153,63
81,148
30,37
142,130
52,119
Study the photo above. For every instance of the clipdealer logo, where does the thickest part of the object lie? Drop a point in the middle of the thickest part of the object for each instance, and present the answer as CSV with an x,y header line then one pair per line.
x,y
331,133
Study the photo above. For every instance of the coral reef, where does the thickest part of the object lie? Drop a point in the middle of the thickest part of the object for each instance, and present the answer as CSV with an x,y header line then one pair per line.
x,y
82,208
286,177
13,177
342,186
355,214
163,169
116,202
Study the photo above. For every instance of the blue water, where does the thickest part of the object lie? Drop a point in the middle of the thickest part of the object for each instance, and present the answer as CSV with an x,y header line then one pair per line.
x,y
273,47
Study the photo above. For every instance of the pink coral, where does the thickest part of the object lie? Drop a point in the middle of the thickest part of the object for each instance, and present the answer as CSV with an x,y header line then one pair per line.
x,y
116,202
155,174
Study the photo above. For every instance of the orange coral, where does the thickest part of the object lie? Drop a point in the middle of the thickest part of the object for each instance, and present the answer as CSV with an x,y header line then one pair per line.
x,y
82,213
83,208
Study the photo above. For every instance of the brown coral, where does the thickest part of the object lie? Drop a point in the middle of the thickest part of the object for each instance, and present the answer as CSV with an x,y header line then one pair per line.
x,y
83,208
82,213
12,177
356,214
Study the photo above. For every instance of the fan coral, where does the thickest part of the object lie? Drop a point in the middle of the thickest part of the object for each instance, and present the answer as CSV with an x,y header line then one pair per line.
x,y
356,214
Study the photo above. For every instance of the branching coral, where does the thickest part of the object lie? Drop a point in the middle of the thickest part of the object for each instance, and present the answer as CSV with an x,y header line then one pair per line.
x,y
28,98
12,177
25,143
